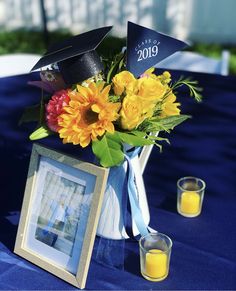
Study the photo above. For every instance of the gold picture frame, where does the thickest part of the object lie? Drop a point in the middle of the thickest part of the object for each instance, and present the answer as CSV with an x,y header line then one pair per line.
x,y
60,212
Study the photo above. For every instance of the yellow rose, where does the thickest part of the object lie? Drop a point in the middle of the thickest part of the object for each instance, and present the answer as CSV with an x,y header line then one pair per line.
x,y
131,112
169,107
150,89
149,74
165,78
122,81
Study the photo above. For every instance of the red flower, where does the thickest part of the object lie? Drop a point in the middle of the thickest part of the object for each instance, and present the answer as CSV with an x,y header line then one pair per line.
x,y
55,107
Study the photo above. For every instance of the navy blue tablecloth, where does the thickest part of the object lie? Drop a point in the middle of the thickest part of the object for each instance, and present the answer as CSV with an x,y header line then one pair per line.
x,y
204,248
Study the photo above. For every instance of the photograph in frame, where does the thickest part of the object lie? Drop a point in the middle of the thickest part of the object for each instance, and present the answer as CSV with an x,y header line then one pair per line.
x,y
60,212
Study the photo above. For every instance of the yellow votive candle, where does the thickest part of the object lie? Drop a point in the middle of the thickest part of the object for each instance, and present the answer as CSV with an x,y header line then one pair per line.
x,y
190,202
156,264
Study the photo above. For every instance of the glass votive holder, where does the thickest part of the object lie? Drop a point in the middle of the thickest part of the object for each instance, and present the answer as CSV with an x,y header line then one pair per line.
x,y
155,251
190,194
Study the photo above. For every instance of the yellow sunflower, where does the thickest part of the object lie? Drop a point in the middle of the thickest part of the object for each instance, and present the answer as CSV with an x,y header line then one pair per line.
x,y
88,115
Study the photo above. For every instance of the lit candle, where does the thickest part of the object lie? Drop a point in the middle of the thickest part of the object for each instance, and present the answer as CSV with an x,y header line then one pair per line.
x,y
156,263
190,202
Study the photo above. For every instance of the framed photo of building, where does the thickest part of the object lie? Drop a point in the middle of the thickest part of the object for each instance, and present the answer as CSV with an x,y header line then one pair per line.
x,y
60,213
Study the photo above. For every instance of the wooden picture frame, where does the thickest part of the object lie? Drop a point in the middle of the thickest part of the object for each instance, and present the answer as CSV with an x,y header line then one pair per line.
x,y
60,213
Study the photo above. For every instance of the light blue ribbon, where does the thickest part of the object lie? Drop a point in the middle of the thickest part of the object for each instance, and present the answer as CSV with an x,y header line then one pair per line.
x,y
133,196
110,252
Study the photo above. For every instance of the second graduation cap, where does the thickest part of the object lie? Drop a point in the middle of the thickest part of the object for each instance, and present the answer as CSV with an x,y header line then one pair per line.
x,y
76,57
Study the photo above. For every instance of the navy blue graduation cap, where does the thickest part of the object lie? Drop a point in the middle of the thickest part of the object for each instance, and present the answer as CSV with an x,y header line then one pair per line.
x,y
147,47
76,57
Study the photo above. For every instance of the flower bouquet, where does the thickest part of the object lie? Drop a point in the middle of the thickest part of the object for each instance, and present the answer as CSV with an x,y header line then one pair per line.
x,y
107,112
114,111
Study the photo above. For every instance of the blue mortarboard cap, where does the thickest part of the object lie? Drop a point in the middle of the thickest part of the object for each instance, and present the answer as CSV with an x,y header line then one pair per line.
x,y
147,47
76,57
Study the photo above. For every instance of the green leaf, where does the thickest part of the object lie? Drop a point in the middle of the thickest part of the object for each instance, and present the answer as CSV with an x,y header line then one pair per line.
x,y
114,98
138,133
121,63
165,124
39,133
134,140
30,114
171,122
108,150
